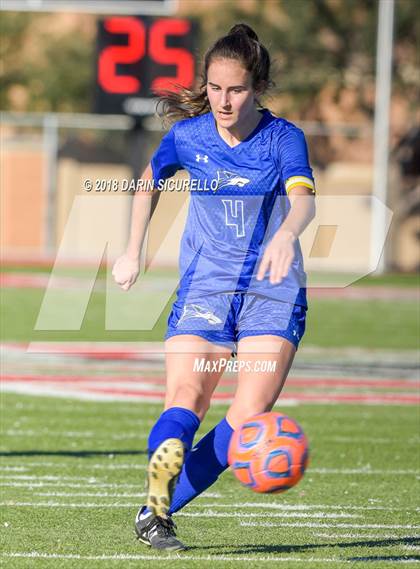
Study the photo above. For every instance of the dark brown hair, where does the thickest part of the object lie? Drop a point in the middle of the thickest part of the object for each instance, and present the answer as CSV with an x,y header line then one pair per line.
x,y
241,44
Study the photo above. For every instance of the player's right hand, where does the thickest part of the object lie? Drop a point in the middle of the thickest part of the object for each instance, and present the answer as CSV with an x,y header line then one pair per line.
x,y
125,271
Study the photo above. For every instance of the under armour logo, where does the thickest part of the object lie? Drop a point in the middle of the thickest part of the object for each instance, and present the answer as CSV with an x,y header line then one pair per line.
x,y
204,158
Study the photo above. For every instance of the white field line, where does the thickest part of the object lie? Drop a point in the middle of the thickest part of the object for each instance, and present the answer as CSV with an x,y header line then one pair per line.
x,y
141,418
371,440
335,526
175,557
77,395
31,485
125,410
363,470
289,514
136,436
94,466
322,471
89,494
204,514
364,536
207,495
269,506
72,434
109,495
43,391
92,482
67,485
89,479
13,504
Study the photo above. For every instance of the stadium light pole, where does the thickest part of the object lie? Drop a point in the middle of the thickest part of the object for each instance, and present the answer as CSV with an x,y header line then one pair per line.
x,y
384,51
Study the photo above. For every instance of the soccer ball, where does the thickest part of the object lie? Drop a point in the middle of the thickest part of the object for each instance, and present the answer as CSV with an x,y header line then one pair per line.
x,y
268,453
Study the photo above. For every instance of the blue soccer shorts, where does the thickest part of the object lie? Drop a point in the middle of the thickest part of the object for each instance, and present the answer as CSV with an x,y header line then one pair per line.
x,y
225,318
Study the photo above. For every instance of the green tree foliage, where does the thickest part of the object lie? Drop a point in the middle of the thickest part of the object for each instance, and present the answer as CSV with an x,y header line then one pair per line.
x,y
65,80
13,29
406,50
315,44
54,69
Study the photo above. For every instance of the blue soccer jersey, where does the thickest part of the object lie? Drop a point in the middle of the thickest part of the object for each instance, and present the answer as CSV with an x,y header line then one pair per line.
x,y
238,202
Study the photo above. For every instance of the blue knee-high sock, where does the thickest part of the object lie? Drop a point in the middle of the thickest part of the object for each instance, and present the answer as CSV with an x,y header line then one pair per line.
x,y
206,461
176,422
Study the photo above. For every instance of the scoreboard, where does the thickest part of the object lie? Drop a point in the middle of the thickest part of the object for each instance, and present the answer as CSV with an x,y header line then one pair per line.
x,y
139,51
137,58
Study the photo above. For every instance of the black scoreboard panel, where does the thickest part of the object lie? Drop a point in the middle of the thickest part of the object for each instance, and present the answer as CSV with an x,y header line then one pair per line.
x,y
139,57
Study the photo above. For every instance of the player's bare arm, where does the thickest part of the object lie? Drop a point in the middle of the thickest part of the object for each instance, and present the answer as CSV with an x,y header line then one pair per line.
x,y
280,252
126,267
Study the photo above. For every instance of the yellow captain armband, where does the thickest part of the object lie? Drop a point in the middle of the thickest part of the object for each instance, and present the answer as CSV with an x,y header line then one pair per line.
x,y
299,181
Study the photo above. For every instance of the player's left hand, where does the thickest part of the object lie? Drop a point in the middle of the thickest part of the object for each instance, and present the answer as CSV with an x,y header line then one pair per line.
x,y
278,257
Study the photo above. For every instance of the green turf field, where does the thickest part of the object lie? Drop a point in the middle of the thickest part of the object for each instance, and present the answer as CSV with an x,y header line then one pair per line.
x,y
331,322
72,478
387,279
72,471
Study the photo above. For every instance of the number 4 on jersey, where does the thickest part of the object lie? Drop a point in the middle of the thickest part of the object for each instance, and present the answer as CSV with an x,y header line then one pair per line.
x,y
234,215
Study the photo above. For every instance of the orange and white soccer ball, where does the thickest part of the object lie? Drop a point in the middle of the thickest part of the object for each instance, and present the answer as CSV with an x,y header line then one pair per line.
x,y
268,453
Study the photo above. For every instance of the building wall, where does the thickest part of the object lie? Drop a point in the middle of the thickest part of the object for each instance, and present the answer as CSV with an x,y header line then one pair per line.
x,y
23,198
24,210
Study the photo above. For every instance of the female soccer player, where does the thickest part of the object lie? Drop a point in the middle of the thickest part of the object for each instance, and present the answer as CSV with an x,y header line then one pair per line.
x,y
242,283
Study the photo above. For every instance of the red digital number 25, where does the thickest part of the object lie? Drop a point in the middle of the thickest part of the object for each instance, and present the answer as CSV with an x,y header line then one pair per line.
x,y
135,50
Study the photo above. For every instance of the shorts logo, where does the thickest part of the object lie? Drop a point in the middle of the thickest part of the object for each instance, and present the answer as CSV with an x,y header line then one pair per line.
x,y
225,178
196,311
204,158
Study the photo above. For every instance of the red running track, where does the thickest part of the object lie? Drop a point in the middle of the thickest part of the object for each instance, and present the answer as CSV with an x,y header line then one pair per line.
x,y
354,388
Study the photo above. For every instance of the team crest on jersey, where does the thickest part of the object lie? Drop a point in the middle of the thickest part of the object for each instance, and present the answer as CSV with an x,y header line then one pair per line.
x,y
196,311
225,178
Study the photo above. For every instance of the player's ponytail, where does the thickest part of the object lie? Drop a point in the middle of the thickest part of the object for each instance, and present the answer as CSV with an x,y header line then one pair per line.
x,y
241,43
